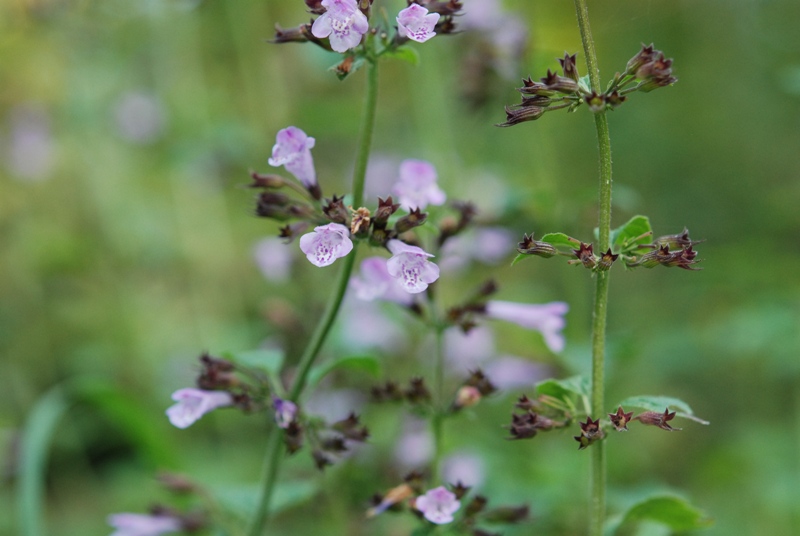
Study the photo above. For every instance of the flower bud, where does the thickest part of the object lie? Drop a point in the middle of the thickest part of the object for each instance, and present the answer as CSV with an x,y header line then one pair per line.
x,y
351,428
300,34
596,102
514,116
417,392
530,87
615,99
479,380
265,181
292,231
645,55
676,241
273,205
467,396
386,207
507,514
606,261
293,437
476,505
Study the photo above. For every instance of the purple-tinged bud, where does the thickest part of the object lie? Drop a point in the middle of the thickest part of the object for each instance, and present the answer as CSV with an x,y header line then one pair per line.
x,y
273,205
620,419
476,506
529,87
527,425
590,433
524,403
653,418
466,396
479,380
586,256
606,261
615,99
390,391
335,210
561,84
529,246
415,218
315,7
680,240
359,225
515,116
266,181
507,514
684,258
596,102
459,489
285,412
386,207
417,392
645,55
298,34
292,231
656,73
534,100
568,66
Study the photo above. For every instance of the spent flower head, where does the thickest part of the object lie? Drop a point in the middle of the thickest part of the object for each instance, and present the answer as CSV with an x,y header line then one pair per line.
x,y
326,244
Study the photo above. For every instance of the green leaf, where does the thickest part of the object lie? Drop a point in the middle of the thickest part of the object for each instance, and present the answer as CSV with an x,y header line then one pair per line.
x,y
242,500
629,237
519,257
34,446
575,385
670,510
406,54
660,403
560,240
366,363
270,361
358,62
585,83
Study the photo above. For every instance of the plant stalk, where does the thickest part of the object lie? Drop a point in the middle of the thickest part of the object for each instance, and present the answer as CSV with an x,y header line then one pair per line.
x,y
439,405
597,506
273,453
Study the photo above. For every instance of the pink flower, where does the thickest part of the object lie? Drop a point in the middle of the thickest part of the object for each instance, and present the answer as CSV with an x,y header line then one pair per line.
x,y
438,505
326,244
292,150
375,283
285,412
143,524
343,22
194,403
416,23
273,258
416,187
410,266
547,318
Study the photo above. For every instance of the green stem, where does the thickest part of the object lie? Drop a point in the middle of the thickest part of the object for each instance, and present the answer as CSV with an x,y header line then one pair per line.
x,y
598,485
273,453
439,406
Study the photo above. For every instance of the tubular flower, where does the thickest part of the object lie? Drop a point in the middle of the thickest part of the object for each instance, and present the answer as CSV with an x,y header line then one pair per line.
x,y
416,23
342,22
194,403
292,150
375,283
438,505
547,318
416,187
410,266
326,244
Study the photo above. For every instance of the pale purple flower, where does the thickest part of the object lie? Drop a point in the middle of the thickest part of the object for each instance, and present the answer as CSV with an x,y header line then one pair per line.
x,y
326,244
343,23
464,467
416,187
194,403
30,150
488,245
143,524
375,283
438,505
415,446
273,258
547,318
468,350
509,372
410,266
285,412
416,23
292,150
366,326
140,117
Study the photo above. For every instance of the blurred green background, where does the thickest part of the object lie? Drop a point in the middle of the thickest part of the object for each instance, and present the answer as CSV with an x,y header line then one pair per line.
x,y
127,130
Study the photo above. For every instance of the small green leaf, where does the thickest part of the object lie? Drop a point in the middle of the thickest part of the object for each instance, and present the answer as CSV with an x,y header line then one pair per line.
x,y
270,361
241,500
406,54
560,240
519,257
660,403
629,237
366,363
585,83
673,511
575,385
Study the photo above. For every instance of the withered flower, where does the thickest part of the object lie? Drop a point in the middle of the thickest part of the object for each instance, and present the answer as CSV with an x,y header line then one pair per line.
x,y
585,254
653,418
335,210
606,261
415,218
568,66
590,433
529,246
620,419
514,116
561,84
386,207
595,101
359,224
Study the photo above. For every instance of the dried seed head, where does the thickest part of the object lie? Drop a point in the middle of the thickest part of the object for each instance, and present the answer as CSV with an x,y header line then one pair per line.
x,y
653,418
620,419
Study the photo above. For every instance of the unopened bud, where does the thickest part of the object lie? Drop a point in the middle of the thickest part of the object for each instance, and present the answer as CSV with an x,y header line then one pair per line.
x,y
506,514
645,55
467,396
270,180
606,261
386,207
596,102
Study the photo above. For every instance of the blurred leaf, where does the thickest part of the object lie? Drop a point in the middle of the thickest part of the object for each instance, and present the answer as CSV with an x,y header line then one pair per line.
x,y
519,257
560,240
406,54
343,70
660,403
241,500
628,237
675,512
366,363
585,83
36,438
566,388
270,361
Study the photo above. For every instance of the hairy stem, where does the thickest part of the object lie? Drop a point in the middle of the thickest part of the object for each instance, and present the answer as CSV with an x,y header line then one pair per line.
x,y
439,402
273,453
598,484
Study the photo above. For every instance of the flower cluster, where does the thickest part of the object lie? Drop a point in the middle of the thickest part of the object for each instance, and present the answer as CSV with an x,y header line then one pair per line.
x,y
647,70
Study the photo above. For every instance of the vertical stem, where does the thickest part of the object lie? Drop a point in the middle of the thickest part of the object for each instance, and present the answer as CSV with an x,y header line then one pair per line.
x,y
439,401
598,485
273,453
